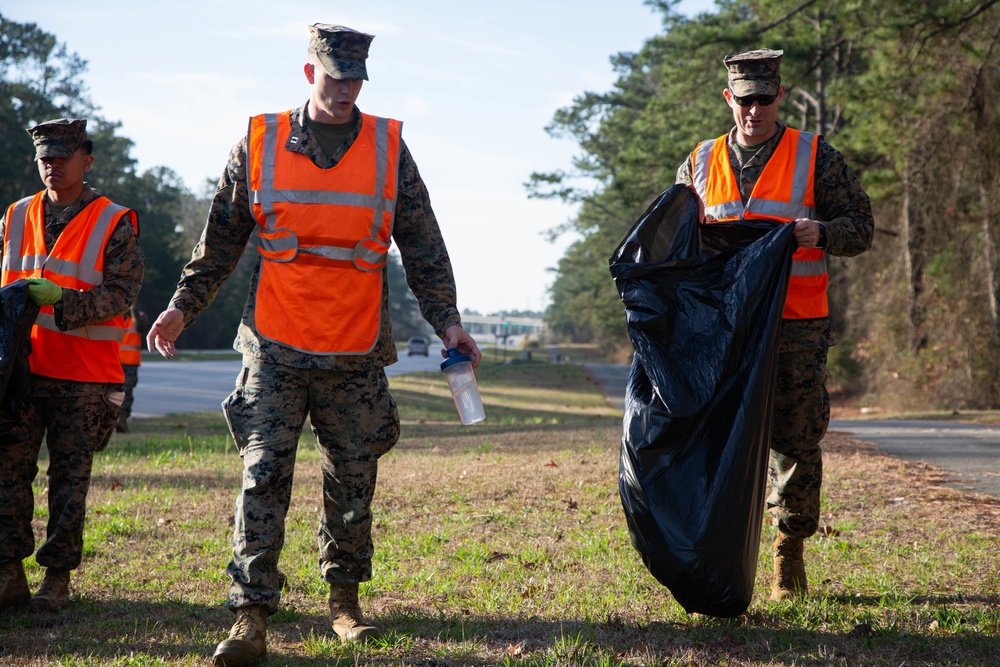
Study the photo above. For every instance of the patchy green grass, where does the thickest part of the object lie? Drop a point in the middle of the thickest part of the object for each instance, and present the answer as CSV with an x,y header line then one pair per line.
x,y
504,543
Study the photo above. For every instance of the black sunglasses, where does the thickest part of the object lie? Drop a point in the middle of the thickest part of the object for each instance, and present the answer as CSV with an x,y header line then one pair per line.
x,y
759,100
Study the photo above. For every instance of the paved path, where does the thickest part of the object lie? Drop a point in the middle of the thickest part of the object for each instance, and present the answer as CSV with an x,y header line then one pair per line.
x,y
176,387
970,451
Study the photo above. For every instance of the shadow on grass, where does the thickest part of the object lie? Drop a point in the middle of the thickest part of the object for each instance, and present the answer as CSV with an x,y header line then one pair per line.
x,y
896,600
132,481
95,632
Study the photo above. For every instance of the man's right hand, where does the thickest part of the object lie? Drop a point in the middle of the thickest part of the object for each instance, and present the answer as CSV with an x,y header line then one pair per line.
x,y
165,330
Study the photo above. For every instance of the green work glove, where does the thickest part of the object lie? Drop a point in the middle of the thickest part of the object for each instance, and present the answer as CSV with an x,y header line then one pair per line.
x,y
44,292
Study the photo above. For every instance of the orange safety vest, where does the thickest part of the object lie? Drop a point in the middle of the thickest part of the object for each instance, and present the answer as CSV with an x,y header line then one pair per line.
x,y
324,236
783,192
90,353
130,352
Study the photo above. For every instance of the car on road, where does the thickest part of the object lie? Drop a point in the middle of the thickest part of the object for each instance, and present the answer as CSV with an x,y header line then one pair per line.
x,y
417,345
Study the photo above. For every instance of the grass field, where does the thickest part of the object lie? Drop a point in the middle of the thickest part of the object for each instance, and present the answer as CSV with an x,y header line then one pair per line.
x,y
505,543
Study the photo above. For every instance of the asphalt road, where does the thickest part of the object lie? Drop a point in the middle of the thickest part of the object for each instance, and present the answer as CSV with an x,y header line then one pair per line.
x,y
176,387
971,452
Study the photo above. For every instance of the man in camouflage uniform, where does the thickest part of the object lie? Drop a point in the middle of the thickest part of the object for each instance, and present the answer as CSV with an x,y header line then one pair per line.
x,y
842,225
345,395
76,381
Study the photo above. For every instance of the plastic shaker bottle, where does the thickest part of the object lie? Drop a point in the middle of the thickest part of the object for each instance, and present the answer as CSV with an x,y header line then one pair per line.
x,y
462,382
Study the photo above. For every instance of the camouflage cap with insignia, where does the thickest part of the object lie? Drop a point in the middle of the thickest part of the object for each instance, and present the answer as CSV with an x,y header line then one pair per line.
x,y
341,50
58,138
754,72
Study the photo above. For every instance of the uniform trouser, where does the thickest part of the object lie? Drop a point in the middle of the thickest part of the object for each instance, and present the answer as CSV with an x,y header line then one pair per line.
x,y
131,379
74,428
354,420
801,415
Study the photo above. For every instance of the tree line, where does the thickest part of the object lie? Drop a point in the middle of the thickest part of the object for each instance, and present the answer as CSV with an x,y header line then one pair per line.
x,y
908,91
41,79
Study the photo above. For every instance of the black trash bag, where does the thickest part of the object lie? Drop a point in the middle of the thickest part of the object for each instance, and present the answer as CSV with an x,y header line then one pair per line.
x,y
17,314
703,305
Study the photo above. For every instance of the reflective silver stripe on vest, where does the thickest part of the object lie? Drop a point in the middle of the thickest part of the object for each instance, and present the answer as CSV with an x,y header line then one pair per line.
x,y
277,244
803,165
90,331
267,157
268,195
12,259
330,252
319,197
730,209
779,209
381,165
812,267
702,157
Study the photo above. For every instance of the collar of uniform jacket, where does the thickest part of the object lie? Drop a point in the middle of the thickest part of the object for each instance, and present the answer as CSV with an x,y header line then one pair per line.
x,y
301,139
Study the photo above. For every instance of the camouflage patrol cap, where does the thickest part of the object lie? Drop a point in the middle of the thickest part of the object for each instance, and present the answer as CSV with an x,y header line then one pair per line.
x,y
341,50
754,72
58,138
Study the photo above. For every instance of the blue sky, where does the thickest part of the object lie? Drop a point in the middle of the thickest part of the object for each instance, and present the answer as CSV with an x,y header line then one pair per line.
x,y
474,83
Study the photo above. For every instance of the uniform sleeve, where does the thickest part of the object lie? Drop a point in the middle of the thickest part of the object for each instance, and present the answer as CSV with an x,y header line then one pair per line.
x,y
422,249
123,267
223,240
842,205
684,172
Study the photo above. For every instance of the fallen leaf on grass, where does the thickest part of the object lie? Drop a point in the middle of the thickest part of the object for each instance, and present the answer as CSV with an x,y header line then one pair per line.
x,y
515,649
551,464
494,556
528,592
828,531
571,504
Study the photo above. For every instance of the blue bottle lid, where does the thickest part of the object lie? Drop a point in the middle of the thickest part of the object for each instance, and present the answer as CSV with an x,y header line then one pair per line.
x,y
454,357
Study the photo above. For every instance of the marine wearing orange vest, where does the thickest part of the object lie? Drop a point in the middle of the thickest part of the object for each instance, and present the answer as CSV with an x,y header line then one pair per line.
x,y
130,353
81,258
783,192
320,287
798,178
76,261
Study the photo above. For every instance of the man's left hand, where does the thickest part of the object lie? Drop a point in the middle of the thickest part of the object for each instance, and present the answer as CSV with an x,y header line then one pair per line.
x,y
44,292
806,232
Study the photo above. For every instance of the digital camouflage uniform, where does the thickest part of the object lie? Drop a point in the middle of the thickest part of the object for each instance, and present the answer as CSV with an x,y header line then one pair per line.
x,y
801,402
353,417
75,418
131,372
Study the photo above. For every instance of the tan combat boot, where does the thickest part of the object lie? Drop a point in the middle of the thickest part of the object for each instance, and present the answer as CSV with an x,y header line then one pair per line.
x,y
345,615
246,644
789,568
13,585
53,594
